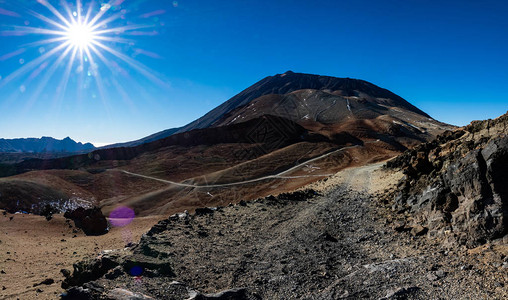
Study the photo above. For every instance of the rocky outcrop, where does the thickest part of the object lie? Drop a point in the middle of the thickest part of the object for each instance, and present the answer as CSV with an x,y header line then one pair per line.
x,y
91,220
457,185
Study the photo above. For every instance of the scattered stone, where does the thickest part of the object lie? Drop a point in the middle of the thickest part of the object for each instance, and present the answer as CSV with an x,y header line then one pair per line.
x,y
48,281
399,226
301,195
432,277
418,230
440,273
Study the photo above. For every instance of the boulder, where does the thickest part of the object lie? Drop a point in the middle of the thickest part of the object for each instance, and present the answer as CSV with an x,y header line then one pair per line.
x,y
90,220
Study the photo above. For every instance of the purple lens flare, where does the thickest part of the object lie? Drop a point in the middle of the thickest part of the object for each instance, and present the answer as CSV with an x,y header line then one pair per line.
x,y
121,216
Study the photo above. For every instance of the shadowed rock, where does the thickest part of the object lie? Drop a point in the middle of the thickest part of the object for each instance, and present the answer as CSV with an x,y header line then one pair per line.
x,y
457,184
91,220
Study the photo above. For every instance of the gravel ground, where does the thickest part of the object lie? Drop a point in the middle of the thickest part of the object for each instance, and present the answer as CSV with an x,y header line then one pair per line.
x,y
338,245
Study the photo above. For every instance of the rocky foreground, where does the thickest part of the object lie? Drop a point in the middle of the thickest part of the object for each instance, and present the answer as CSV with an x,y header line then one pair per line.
x,y
340,243
456,187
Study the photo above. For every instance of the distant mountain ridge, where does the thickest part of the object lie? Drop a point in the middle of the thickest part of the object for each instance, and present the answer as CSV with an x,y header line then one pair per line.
x,y
42,145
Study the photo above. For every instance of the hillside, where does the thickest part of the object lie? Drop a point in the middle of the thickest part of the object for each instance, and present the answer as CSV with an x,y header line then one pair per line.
x,y
289,82
283,132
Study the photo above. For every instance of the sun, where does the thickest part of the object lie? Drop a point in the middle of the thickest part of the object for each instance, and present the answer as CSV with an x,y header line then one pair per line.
x,y
80,36
82,44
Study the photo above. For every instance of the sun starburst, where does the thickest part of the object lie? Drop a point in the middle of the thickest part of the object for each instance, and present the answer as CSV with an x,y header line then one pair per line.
x,y
80,35
80,41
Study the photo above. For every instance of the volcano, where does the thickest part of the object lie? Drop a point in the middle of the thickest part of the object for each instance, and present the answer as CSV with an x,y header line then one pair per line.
x,y
281,133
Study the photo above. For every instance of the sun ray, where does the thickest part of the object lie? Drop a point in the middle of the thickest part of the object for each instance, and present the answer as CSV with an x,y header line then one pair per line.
x,y
123,29
47,76
47,20
99,82
103,10
12,54
54,11
125,96
68,10
30,65
78,9
62,86
34,30
44,42
133,63
113,39
89,12
106,21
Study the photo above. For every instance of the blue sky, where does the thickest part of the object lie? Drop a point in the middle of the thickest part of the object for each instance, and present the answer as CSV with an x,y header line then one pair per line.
x,y
449,59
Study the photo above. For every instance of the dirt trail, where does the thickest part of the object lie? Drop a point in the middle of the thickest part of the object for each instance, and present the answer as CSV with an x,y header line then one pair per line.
x,y
340,245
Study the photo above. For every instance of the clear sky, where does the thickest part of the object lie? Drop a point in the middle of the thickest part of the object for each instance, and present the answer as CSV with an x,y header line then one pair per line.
x,y
165,63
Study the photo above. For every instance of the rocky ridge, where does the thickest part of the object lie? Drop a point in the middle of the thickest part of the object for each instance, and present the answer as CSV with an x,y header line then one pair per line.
x,y
455,187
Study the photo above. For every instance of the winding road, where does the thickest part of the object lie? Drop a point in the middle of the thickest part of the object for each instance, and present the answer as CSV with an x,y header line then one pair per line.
x,y
275,176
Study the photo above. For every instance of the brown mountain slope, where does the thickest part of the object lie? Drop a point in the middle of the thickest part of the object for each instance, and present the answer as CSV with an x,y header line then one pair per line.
x,y
279,134
289,82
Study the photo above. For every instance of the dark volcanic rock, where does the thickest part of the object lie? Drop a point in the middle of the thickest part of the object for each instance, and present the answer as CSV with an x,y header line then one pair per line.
x,y
47,281
88,291
90,269
91,220
203,211
457,184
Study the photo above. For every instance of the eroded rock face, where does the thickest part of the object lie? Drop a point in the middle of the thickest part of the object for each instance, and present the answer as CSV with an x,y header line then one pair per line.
x,y
91,220
457,185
